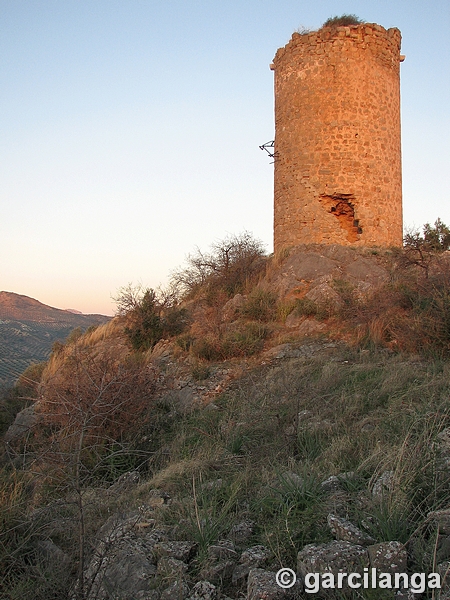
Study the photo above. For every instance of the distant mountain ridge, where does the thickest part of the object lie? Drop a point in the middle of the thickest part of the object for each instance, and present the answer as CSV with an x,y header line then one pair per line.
x,y
17,307
28,330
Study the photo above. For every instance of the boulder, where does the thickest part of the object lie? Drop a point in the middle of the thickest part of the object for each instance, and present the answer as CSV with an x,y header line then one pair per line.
x,y
123,563
24,422
231,309
311,327
241,532
262,585
179,590
223,549
183,551
383,486
388,557
332,557
204,590
171,568
344,530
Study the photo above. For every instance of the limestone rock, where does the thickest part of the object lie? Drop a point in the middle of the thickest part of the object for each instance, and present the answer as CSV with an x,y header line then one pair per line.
x,y
443,449
223,549
125,482
122,563
256,556
410,595
52,556
442,518
204,590
262,585
171,568
383,486
240,575
218,572
157,498
25,420
388,557
332,484
178,590
291,480
183,551
231,308
294,320
324,295
444,571
242,531
128,574
332,557
344,530
311,327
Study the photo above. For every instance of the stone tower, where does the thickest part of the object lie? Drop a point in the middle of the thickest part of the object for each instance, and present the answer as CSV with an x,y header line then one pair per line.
x,y
337,138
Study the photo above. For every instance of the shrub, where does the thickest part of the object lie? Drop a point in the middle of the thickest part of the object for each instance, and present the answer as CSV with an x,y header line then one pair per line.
x,y
74,335
145,327
228,267
411,313
200,372
244,340
30,379
174,321
149,318
433,239
422,249
185,341
94,396
261,305
308,308
342,21
207,348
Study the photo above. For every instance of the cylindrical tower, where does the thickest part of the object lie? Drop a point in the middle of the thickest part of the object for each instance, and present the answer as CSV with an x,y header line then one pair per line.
x,y
337,138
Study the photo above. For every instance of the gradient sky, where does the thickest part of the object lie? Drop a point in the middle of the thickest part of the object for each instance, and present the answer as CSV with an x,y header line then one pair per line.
x,y
130,132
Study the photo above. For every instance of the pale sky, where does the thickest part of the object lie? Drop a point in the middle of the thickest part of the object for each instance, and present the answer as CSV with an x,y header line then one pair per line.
x,y
130,132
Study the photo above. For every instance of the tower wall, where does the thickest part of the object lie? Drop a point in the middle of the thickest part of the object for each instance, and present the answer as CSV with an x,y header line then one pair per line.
x,y
337,138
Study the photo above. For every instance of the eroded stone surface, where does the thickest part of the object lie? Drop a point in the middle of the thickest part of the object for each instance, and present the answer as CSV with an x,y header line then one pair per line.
x,y
344,530
333,557
204,590
262,585
388,557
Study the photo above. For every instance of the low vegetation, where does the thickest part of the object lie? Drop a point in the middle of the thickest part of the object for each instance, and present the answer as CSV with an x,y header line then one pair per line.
x,y
366,402
343,20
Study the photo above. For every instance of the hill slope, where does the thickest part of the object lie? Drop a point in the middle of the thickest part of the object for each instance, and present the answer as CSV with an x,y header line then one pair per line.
x,y
303,422
28,330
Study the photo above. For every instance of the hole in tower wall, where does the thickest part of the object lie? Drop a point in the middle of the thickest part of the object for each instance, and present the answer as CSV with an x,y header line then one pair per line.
x,y
341,207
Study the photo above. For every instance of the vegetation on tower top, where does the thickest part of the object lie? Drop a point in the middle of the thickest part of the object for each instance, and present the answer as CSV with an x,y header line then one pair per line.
x,y
343,20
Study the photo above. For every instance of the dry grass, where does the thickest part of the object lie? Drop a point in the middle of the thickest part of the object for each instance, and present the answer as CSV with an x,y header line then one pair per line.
x,y
331,410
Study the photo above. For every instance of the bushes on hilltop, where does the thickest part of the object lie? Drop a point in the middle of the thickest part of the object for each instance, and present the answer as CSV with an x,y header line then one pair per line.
x,y
228,267
411,311
149,317
232,266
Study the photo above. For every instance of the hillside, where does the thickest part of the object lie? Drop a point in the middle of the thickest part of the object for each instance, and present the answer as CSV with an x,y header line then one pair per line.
x,y
28,330
188,450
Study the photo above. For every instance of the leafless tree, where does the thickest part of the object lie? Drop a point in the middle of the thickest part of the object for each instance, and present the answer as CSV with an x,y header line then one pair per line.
x,y
228,265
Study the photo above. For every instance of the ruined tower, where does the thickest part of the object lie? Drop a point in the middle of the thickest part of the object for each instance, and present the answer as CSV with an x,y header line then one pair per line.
x,y
337,138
